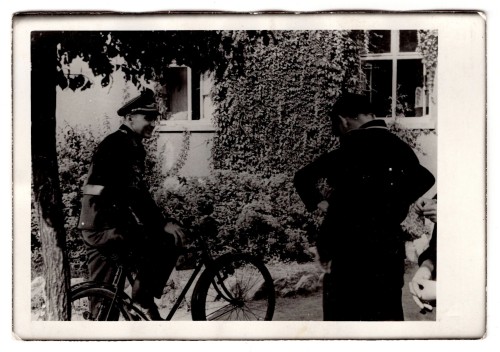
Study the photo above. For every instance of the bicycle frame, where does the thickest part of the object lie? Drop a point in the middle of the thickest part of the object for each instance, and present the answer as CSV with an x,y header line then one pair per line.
x,y
184,291
206,261
132,311
119,293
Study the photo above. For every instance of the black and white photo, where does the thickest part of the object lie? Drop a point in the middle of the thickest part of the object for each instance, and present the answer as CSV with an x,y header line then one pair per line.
x,y
260,172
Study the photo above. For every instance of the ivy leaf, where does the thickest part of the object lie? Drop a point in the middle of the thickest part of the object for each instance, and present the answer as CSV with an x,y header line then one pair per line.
x,y
62,81
87,85
105,81
72,83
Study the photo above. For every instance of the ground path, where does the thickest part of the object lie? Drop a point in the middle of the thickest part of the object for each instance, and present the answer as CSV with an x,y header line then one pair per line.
x,y
309,307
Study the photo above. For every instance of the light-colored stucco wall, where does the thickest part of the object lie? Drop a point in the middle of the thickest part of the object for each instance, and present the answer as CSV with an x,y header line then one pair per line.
x,y
200,145
428,159
197,162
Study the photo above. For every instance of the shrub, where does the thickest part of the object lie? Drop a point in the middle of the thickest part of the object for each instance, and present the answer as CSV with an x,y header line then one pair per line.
x,y
75,147
252,213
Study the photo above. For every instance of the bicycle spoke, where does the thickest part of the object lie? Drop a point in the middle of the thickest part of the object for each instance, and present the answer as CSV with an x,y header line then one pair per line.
x,y
95,304
261,307
251,312
257,310
248,311
239,288
223,311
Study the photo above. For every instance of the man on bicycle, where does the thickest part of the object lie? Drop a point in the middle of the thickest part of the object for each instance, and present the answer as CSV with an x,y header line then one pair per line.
x,y
119,215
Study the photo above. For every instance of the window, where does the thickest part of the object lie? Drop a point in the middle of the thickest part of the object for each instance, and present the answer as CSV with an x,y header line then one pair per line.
x,y
187,95
396,75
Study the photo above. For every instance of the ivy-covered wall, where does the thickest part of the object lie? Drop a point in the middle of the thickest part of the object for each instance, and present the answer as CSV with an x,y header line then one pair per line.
x,y
271,114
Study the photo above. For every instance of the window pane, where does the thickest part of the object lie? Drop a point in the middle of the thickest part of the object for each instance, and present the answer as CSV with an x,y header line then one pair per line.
x,y
195,95
379,79
207,106
410,89
177,93
408,41
379,42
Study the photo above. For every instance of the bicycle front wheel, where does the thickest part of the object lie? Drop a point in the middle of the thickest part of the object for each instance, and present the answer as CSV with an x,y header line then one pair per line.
x,y
235,287
96,303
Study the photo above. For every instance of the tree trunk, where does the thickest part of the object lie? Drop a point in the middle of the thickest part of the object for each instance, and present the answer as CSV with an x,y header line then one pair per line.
x,y
48,201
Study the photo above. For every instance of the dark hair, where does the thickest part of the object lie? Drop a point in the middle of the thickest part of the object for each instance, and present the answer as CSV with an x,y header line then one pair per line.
x,y
350,105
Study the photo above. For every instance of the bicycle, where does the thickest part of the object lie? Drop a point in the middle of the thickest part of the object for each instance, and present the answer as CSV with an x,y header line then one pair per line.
x,y
234,286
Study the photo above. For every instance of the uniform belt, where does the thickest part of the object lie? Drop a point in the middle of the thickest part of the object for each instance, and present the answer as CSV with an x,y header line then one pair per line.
x,y
93,190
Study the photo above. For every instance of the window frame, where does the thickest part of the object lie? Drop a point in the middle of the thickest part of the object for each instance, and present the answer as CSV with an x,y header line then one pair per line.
x,y
427,121
204,123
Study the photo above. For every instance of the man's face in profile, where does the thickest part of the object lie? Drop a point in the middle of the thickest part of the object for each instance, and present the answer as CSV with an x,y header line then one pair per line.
x,y
143,124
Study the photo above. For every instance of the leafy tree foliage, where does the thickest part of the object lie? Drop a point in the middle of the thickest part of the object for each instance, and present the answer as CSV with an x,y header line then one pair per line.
x,y
146,55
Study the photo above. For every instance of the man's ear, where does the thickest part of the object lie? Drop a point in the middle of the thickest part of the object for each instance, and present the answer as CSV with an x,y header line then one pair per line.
x,y
343,121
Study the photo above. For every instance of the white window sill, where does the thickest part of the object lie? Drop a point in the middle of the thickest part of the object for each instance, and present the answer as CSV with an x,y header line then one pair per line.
x,y
424,122
204,125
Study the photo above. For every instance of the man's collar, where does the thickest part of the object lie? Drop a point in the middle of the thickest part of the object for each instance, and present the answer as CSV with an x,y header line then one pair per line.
x,y
131,133
374,123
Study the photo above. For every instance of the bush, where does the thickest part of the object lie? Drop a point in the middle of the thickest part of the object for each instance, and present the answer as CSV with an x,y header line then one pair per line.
x,y
75,147
252,213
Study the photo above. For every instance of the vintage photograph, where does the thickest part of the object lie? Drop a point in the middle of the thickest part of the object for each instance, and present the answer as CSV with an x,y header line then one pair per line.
x,y
222,174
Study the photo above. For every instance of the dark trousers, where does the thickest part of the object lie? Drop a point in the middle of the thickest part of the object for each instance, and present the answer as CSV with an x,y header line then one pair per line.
x,y
153,256
346,301
366,280
367,271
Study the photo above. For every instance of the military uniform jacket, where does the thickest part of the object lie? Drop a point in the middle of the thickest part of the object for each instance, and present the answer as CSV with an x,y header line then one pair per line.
x,y
116,194
375,177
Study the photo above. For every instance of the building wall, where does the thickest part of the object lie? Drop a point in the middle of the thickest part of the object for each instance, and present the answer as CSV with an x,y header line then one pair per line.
x,y
198,161
198,156
196,136
429,158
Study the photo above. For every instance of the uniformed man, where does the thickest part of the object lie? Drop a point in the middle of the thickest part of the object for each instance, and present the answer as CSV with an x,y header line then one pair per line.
x,y
375,177
120,217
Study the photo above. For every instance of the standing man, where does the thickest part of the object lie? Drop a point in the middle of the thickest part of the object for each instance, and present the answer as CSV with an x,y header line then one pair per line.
x,y
118,214
374,177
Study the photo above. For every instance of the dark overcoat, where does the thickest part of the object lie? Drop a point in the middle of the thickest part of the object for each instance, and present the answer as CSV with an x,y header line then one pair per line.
x,y
374,177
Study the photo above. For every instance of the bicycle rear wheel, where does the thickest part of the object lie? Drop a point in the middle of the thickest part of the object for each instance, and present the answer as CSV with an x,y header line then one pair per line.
x,y
235,287
96,303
